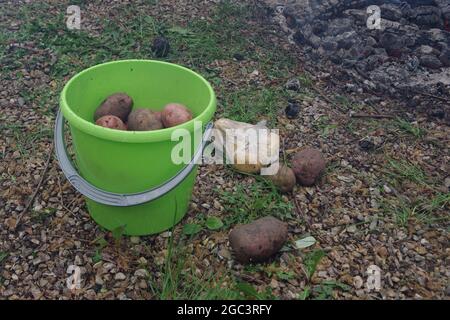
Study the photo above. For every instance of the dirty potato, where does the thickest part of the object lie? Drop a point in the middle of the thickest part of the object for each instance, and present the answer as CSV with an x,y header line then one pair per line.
x,y
143,120
308,164
174,114
111,122
284,179
259,240
118,104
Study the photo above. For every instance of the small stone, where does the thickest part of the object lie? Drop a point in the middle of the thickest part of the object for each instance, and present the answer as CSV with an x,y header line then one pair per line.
x,y
134,240
206,206
36,261
143,284
425,50
289,127
274,284
78,261
166,234
351,228
421,250
382,252
225,253
37,294
141,273
21,101
120,276
88,226
142,261
447,182
366,144
387,189
445,57
292,110
254,74
108,266
346,179
430,61
238,56
358,282
293,84
161,47
371,142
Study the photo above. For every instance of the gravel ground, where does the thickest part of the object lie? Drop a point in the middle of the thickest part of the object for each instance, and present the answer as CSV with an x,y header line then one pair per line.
x,y
387,206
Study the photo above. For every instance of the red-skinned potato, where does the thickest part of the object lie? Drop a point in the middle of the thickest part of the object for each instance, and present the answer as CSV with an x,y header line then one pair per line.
x,y
308,164
174,114
144,119
158,115
111,122
259,240
118,104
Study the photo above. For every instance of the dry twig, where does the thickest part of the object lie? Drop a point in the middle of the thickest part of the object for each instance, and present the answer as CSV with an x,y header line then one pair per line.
x,y
30,202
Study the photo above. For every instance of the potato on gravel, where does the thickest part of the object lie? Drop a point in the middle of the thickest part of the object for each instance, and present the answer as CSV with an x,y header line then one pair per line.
x,y
308,164
118,104
259,240
144,119
284,179
111,122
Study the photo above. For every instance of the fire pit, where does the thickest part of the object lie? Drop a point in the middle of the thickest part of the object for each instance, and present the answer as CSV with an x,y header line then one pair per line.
x,y
409,50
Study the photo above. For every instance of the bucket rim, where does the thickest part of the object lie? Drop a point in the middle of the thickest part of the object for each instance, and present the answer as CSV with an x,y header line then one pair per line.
x,y
134,136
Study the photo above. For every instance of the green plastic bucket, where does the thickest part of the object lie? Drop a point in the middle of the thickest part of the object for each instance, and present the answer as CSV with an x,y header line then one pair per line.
x,y
128,177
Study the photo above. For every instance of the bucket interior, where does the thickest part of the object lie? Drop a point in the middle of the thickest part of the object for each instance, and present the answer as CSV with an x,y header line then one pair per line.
x,y
151,84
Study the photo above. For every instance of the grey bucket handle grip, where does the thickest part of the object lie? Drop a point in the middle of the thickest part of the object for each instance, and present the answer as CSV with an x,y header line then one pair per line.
x,y
111,198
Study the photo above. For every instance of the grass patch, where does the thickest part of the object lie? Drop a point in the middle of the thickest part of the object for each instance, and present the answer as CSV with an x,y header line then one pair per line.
x,y
422,210
400,170
25,143
179,280
3,256
311,262
324,126
42,216
250,105
248,203
347,104
409,128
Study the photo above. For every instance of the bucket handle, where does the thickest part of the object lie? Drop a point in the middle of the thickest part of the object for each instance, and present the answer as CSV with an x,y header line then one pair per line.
x,y
111,198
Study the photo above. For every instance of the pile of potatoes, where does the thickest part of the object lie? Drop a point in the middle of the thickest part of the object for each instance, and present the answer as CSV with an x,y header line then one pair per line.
x,y
116,112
